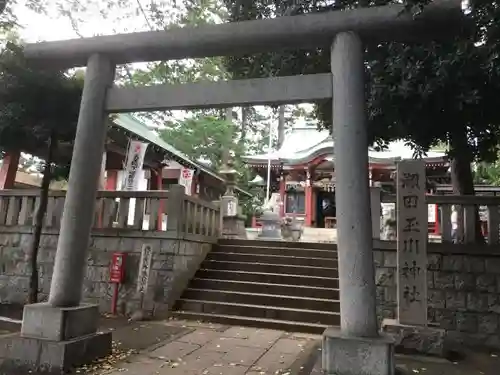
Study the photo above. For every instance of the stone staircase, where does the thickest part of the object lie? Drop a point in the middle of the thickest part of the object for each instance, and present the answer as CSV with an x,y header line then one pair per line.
x,y
268,284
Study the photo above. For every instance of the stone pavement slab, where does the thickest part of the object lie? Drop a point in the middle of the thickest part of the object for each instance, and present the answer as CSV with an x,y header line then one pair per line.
x,y
205,349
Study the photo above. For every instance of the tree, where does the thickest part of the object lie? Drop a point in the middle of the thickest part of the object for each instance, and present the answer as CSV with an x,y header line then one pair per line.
x,y
423,93
200,137
39,115
487,173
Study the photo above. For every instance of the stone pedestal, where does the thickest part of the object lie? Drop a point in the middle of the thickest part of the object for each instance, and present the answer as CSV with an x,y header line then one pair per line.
x,y
271,226
411,339
345,355
234,227
54,340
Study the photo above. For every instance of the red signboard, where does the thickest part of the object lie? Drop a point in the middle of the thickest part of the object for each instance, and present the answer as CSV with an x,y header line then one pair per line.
x,y
117,268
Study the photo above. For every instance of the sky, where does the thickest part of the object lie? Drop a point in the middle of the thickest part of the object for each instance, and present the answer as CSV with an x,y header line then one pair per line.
x,y
38,27
52,26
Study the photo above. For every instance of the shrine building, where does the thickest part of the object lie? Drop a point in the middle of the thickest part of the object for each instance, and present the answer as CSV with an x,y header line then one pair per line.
x,y
303,173
163,164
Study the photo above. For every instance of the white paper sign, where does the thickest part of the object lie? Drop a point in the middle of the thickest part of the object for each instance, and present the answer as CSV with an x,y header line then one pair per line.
x,y
431,213
186,179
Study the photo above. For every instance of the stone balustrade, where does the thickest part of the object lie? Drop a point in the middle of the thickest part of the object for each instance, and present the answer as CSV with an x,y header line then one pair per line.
x,y
468,208
152,211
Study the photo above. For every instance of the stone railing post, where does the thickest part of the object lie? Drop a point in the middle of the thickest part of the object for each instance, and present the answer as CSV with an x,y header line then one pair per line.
x,y
175,209
375,195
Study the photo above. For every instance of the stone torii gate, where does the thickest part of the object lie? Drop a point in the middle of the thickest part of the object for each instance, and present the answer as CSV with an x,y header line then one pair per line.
x,y
68,327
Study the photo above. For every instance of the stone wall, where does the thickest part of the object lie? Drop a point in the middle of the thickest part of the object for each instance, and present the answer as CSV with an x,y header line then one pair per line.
x,y
174,262
463,291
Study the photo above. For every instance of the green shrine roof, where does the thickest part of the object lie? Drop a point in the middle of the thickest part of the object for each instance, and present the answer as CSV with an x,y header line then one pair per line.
x,y
305,142
135,126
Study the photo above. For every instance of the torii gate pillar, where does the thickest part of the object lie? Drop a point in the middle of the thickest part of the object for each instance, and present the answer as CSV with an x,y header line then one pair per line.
x,y
62,333
356,348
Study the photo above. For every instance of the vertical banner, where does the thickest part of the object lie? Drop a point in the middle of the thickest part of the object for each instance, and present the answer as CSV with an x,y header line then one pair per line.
x,y
412,242
133,164
133,173
186,179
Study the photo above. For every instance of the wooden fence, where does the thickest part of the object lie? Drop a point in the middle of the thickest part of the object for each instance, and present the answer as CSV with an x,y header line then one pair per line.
x,y
127,210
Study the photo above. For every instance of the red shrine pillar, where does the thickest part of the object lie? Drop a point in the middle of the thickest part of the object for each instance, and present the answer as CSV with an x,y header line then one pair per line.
x,y
308,199
282,195
9,169
159,186
111,180
156,183
194,186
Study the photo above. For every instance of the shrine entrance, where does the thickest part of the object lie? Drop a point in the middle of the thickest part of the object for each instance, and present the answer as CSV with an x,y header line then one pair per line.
x,y
345,33
326,209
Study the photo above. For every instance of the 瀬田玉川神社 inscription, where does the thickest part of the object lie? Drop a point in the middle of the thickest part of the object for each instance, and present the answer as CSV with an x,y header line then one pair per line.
x,y
412,242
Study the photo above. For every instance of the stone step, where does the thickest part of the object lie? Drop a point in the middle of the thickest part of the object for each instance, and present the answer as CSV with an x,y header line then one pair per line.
x,y
263,299
273,259
283,244
270,268
268,277
258,311
276,250
244,321
262,287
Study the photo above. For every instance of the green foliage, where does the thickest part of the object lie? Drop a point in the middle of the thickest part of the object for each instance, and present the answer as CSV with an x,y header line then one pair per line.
x,y
487,174
202,138
35,104
423,93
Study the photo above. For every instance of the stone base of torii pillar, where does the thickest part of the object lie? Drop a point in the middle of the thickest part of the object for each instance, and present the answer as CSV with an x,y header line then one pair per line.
x,y
54,340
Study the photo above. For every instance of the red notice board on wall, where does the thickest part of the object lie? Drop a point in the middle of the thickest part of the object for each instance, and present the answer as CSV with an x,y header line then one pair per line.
x,y
117,268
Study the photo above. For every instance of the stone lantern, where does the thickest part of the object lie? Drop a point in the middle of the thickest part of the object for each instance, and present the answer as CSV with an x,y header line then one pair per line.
x,y
233,222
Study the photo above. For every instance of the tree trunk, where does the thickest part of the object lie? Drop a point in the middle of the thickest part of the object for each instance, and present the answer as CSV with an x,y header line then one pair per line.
x,y
461,176
225,148
39,216
281,126
244,120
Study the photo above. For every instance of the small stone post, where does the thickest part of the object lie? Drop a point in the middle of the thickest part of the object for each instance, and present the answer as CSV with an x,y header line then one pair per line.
x,y
375,204
63,327
175,211
410,330
357,347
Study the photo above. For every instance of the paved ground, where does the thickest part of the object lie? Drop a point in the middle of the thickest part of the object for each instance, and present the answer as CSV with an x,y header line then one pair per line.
x,y
189,348
206,349
210,349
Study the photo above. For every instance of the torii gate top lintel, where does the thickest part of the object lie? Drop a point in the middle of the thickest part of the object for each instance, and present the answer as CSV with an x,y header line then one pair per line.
x,y
441,19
